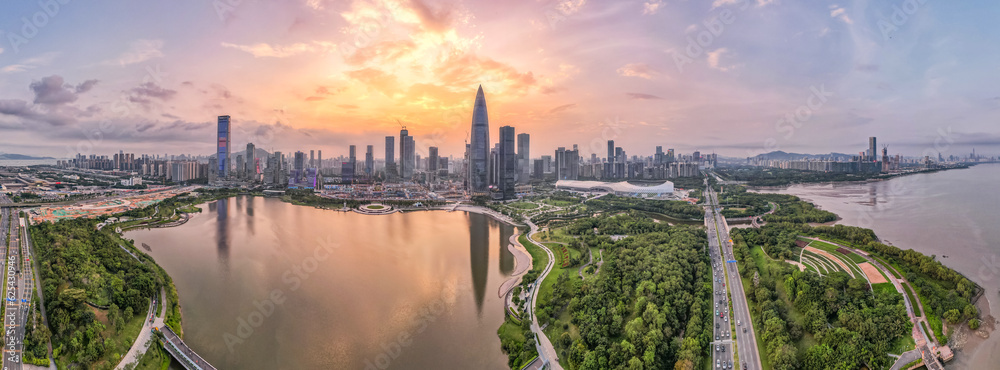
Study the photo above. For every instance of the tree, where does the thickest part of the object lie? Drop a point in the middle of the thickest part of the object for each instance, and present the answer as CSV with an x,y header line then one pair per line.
x,y
953,316
974,324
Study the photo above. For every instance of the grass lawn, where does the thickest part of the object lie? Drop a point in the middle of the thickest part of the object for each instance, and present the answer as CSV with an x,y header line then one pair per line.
x,y
913,302
903,344
559,203
538,256
933,319
827,263
375,207
885,287
851,262
892,269
523,205
156,358
122,339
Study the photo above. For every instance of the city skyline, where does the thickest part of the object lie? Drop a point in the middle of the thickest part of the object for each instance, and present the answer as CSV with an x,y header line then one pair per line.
x,y
153,84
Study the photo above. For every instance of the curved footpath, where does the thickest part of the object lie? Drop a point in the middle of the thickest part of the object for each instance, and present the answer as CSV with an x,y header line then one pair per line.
x,y
542,343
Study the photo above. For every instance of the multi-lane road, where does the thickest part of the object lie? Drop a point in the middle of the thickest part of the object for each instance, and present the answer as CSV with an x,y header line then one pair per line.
x,y
18,283
728,289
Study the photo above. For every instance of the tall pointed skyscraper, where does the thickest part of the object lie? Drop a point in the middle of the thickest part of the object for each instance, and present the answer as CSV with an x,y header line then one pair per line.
x,y
479,148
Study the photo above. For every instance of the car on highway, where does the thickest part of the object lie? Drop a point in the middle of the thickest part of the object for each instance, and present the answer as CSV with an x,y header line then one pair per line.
x,y
718,363
738,322
744,330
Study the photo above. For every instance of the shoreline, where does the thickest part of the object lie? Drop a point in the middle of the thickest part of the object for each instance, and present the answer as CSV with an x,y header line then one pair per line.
x,y
859,182
972,348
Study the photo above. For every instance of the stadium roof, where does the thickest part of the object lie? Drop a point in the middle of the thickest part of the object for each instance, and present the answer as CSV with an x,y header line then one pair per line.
x,y
623,187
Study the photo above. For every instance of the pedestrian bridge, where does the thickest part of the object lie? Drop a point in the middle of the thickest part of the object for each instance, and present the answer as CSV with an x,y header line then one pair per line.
x,y
183,353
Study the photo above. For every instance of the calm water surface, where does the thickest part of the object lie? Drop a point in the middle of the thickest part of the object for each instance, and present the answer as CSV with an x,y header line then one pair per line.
x,y
951,213
268,285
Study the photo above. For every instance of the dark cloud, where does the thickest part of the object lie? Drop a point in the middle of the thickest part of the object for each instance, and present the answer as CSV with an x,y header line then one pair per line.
x,y
51,103
432,20
561,108
641,96
21,109
151,90
170,116
53,90
85,86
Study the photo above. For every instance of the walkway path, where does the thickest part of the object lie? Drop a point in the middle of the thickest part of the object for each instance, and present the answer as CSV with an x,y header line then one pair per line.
x,y
542,343
580,270
926,343
145,337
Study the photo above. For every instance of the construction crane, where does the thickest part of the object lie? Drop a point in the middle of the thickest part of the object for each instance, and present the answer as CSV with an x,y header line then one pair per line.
x,y
400,124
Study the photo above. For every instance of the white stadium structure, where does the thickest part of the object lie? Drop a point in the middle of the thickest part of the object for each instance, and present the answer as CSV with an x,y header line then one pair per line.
x,y
617,188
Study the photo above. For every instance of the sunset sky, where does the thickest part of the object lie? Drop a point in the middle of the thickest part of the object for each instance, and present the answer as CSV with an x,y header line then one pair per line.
x,y
151,77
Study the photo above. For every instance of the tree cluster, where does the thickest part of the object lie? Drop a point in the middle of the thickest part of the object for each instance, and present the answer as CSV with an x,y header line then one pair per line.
x,y
79,265
648,308
673,208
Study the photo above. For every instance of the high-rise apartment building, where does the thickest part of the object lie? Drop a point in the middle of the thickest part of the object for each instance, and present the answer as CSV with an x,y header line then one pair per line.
x,y
508,162
390,156
523,158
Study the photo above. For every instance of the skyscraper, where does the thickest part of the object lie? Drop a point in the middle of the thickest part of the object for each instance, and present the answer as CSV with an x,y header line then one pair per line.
x,y
432,159
523,158
390,156
403,134
508,162
222,154
251,169
370,161
312,158
479,148
353,156
319,159
407,154
872,150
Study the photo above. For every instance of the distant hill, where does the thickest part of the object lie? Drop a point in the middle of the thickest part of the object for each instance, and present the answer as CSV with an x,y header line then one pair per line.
x,y
12,156
783,156
258,152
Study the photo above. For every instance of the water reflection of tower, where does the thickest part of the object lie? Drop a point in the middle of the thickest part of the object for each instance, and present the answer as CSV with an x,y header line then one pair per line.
x,y
222,229
506,257
249,217
479,253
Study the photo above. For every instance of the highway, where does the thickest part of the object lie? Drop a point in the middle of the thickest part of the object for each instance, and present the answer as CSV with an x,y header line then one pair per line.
x,y
13,314
731,287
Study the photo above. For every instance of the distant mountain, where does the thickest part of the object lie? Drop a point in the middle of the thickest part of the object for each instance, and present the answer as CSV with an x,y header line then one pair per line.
x,y
783,156
12,156
258,152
